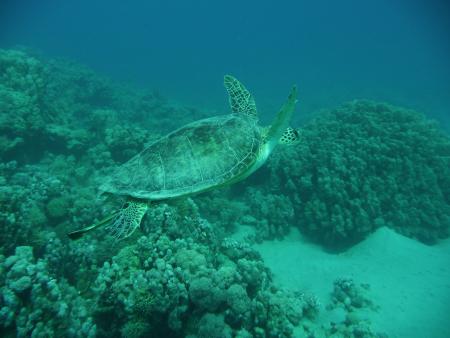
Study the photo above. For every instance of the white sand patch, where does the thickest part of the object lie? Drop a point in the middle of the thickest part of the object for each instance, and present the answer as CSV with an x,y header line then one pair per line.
x,y
409,281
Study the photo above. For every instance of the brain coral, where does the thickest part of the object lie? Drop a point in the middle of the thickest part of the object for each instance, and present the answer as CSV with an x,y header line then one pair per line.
x,y
366,165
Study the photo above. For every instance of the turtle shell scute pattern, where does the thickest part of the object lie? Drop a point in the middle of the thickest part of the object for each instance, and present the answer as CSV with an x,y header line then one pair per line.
x,y
192,159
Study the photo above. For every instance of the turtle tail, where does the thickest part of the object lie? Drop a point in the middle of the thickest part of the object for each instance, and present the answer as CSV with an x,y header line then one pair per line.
x,y
121,223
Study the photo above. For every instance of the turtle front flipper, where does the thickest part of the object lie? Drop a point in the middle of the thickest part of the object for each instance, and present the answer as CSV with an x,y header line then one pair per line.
x,y
241,101
127,219
282,121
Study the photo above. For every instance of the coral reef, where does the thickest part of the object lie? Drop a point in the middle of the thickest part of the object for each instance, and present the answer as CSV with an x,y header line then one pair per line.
x,y
353,301
366,165
35,303
183,278
350,295
22,87
63,128
89,113
190,285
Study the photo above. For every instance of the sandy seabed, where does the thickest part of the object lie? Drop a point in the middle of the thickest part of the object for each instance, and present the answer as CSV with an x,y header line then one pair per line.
x,y
409,281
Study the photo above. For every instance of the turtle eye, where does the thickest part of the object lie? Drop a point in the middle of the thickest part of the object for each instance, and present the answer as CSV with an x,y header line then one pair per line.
x,y
126,205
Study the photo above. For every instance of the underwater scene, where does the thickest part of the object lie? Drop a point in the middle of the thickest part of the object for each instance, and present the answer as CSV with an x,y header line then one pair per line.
x,y
248,169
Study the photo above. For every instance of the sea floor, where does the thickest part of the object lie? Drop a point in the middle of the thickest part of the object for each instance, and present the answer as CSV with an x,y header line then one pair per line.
x,y
409,281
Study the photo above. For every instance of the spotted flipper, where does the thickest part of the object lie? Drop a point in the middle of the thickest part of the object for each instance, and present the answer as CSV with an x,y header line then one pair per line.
x,y
127,219
241,101
121,223
290,137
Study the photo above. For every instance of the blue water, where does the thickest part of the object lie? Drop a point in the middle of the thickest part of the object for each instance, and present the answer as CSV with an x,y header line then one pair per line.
x,y
353,220
396,51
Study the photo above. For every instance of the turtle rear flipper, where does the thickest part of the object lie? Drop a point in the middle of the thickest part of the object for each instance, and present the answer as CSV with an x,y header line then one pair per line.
x,y
128,219
120,224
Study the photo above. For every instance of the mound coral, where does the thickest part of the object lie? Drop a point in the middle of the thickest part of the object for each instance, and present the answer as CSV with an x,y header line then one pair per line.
x,y
22,87
62,107
33,303
57,207
196,287
367,165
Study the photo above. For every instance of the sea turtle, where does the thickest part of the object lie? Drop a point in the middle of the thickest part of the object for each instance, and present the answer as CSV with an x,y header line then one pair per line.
x,y
200,156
